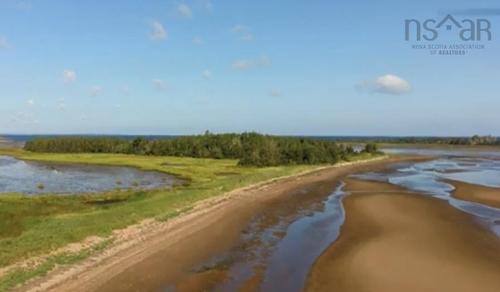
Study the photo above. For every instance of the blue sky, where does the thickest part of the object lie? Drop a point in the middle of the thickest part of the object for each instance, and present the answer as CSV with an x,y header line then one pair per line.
x,y
279,67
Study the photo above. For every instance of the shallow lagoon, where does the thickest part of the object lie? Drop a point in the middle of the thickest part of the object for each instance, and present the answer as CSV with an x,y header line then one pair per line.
x,y
18,176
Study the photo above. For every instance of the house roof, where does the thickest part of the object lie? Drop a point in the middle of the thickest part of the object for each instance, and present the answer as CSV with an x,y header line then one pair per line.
x,y
449,18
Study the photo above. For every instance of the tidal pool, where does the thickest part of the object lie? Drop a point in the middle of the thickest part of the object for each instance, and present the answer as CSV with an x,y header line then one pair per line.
x,y
431,179
18,176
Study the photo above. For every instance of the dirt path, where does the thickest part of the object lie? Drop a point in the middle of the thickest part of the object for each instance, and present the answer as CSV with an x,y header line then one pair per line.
x,y
148,256
396,241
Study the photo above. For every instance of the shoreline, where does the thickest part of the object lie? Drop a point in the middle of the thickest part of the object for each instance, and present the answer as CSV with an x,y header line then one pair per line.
x,y
393,240
488,196
224,216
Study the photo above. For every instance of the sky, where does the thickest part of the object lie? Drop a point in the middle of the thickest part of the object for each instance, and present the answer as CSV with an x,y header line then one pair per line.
x,y
320,67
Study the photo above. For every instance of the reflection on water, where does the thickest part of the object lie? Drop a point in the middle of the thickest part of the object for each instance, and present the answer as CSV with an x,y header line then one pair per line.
x,y
278,256
430,178
311,235
17,176
285,251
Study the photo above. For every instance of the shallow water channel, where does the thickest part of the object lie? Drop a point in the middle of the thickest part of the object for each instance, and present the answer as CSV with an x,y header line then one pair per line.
x,y
27,177
278,256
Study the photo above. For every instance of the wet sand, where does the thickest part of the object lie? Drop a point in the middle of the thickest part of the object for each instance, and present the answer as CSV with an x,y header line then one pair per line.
x,y
165,258
476,193
393,240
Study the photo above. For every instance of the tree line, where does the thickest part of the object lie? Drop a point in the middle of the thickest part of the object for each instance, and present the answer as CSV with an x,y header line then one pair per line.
x,y
474,140
251,149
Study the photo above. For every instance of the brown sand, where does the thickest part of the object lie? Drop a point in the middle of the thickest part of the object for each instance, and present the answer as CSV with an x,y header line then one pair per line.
x,y
476,193
168,253
396,241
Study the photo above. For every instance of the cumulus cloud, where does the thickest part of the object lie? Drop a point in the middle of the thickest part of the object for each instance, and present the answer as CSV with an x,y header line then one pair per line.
x,y
158,32
184,10
275,93
386,84
69,76
95,90
207,74
24,118
246,64
242,32
125,90
4,44
24,6
207,5
198,40
61,105
159,84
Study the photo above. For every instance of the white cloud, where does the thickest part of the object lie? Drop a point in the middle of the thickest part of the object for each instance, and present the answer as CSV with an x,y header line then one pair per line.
x,y
242,32
24,118
246,64
242,64
184,10
246,37
95,90
238,28
25,6
198,40
275,93
125,90
4,44
61,104
159,84
69,76
206,5
386,84
30,102
158,32
207,74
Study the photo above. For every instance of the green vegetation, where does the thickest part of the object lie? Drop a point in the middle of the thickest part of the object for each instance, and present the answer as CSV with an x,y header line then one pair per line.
x,y
23,274
251,149
371,148
35,225
474,140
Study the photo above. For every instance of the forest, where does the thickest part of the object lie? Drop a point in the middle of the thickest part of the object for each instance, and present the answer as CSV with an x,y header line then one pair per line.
x,y
250,149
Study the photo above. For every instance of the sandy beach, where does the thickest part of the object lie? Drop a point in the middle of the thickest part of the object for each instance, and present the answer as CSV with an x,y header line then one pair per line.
x,y
476,193
393,240
165,253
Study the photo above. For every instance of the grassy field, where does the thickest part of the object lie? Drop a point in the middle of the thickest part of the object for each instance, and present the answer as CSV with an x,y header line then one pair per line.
x,y
31,226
